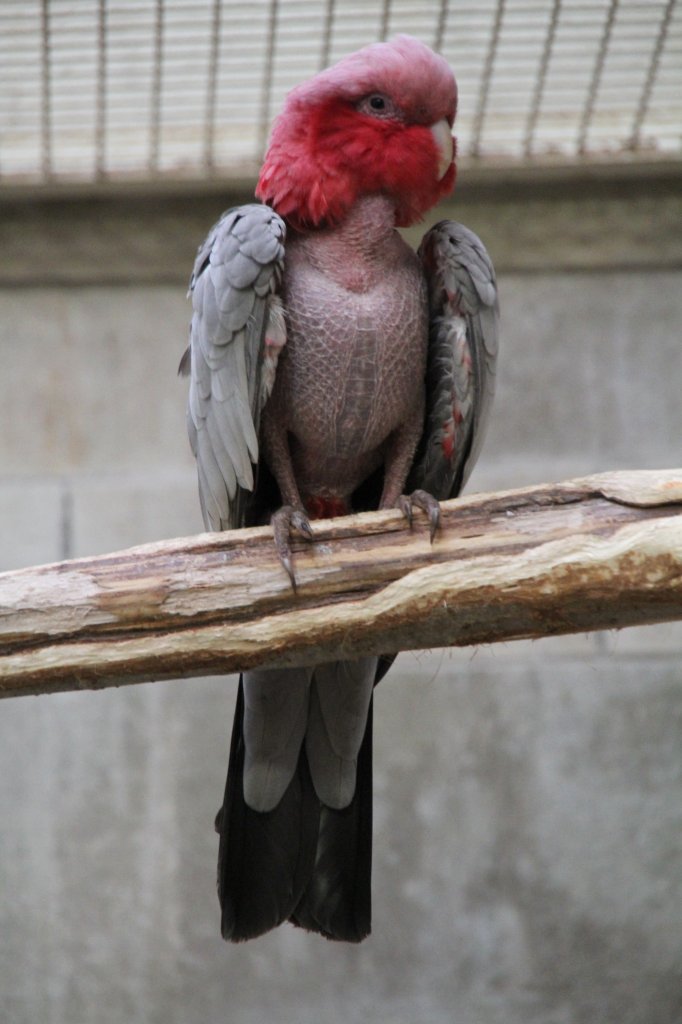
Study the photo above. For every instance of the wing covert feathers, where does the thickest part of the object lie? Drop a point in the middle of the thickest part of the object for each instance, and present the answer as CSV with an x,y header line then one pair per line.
x,y
236,334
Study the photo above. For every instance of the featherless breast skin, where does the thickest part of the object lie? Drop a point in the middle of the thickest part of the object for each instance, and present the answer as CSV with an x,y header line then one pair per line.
x,y
350,386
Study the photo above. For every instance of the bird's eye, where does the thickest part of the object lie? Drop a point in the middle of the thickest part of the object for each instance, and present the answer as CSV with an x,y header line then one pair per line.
x,y
378,105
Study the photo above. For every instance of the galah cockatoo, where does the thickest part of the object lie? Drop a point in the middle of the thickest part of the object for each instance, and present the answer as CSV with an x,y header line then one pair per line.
x,y
333,369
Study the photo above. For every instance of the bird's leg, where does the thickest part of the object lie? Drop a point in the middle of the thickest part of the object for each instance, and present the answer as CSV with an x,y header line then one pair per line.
x,y
398,462
292,514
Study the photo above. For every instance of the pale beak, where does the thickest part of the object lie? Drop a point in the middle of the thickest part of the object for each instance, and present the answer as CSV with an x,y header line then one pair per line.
x,y
445,145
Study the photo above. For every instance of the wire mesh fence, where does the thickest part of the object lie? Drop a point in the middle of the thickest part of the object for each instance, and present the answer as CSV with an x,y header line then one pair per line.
x,y
119,89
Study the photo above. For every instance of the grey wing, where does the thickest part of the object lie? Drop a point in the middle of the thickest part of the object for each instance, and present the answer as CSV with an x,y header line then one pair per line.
x,y
236,335
463,341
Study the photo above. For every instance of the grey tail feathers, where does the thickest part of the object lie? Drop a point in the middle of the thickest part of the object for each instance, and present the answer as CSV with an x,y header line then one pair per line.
x,y
303,861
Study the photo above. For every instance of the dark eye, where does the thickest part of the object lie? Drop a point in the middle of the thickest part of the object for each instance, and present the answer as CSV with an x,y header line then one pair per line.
x,y
378,105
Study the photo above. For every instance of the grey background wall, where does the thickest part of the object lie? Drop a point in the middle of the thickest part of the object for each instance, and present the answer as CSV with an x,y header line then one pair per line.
x,y
528,860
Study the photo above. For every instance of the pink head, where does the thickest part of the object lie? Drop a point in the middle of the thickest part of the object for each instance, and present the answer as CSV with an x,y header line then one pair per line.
x,y
377,122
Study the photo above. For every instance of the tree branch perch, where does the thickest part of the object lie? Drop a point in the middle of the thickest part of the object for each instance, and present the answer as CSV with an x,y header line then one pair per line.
x,y
600,552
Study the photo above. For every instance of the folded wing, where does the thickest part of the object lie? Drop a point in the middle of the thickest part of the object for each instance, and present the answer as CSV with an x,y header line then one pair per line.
x,y
236,335
463,342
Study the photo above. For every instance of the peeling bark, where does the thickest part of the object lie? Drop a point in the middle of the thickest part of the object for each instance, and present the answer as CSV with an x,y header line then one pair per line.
x,y
600,552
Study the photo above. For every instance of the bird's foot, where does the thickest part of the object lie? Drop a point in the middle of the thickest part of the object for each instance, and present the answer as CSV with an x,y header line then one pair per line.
x,y
284,520
426,502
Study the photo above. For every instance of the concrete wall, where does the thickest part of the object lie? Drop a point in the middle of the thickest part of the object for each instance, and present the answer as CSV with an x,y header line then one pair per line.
x,y
528,861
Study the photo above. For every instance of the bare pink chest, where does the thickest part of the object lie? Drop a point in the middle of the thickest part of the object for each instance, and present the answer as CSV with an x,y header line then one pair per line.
x,y
353,367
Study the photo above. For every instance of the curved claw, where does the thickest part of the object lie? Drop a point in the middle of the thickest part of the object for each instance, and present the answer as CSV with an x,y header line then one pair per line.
x,y
283,521
427,503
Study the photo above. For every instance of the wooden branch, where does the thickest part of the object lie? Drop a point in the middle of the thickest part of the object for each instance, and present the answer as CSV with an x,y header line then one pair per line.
x,y
595,553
